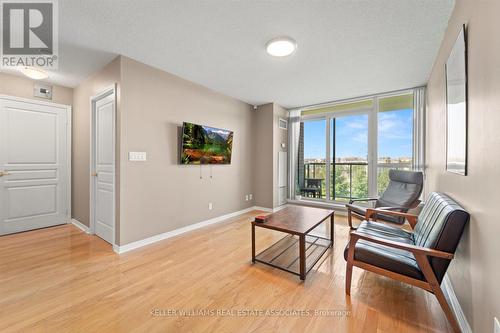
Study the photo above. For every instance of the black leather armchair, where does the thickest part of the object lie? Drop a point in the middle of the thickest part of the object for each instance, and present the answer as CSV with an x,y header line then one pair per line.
x,y
420,257
402,194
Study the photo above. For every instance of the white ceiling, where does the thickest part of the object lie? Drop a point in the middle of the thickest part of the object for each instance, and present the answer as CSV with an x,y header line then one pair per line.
x,y
345,48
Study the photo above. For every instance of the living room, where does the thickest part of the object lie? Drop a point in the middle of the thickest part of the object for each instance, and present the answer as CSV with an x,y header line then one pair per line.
x,y
233,166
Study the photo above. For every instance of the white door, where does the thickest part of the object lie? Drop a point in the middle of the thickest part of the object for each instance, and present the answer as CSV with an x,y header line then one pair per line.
x,y
103,166
34,167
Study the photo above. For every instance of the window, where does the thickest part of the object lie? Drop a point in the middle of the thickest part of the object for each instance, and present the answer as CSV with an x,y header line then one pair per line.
x,y
395,137
312,154
355,144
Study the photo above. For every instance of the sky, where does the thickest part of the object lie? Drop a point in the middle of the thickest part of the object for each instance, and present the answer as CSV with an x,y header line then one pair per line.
x,y
395,130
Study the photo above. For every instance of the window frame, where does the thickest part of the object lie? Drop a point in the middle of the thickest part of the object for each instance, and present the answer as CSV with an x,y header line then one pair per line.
x,y
373,113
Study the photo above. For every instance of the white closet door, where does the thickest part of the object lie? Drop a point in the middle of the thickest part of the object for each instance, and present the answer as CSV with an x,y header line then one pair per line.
x,y
104,168
33,165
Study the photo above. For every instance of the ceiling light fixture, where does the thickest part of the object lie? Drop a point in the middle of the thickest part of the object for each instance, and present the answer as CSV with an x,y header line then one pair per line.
x,y
34,73
281,47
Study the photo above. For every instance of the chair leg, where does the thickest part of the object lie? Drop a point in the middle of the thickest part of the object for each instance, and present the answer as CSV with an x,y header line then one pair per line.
x,y
425,266
349,219
348,278
349,265
446,308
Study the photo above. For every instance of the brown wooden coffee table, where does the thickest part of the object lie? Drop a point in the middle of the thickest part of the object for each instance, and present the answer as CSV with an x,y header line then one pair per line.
x,y
299,251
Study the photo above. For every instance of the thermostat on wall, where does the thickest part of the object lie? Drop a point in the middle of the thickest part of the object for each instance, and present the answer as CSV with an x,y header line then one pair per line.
x,y
42,90
136,155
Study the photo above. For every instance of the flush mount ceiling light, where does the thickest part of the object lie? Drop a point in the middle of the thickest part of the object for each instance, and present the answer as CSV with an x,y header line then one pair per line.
x,y
281,47
34,73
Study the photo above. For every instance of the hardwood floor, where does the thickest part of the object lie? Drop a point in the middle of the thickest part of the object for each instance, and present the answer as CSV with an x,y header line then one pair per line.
x,y
62,280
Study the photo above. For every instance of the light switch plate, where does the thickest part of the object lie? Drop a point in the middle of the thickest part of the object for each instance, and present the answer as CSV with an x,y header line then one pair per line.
x,y
496,328
137,156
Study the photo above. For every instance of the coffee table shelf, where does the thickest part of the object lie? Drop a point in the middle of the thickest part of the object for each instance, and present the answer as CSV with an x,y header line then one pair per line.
x,y
284,254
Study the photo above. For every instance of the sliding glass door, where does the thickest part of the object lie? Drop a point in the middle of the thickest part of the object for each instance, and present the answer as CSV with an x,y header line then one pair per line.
x,y
335,145
345,150
312,169
349,156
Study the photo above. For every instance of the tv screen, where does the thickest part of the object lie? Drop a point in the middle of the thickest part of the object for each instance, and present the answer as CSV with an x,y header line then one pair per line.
x,y
205,145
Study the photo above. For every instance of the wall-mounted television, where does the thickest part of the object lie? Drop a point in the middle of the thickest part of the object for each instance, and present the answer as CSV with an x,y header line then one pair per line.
x,y
205,145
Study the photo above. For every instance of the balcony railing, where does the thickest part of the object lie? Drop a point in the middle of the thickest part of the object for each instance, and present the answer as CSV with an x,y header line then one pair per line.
x,y
349,180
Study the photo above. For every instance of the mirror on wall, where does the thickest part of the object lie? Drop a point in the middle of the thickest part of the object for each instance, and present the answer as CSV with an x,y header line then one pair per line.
x,y
456,107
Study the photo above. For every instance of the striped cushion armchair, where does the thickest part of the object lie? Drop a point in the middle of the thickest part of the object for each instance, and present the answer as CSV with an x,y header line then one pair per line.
x,y
419,257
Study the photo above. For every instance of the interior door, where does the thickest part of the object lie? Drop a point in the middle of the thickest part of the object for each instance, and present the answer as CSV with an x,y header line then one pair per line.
x,y
34,175
103,169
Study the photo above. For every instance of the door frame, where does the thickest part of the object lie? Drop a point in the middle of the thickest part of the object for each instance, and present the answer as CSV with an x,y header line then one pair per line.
x,y
69,143
92,180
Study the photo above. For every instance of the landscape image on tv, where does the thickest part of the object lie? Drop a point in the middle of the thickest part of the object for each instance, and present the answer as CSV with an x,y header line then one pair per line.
x,y
205,145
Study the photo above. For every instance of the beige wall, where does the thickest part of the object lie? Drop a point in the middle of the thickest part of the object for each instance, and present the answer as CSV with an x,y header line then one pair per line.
x,y
92,86
160,195
268,139
264,149
19,86
475,271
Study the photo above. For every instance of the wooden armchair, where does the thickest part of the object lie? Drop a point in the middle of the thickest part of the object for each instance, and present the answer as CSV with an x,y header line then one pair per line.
x,y
420,257
401,195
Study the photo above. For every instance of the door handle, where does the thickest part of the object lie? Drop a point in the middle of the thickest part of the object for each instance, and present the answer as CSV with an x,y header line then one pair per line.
x,y
94,174
4,173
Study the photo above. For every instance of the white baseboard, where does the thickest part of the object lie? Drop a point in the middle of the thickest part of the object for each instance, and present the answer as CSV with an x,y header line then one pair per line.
x,y
279,208
270,210
80,225
150,240
450,295
339,208
156,238
264,209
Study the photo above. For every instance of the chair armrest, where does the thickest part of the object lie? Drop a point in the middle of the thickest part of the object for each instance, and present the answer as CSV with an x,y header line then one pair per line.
x,y
412,219
415,204
394,208
363,199
356,235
